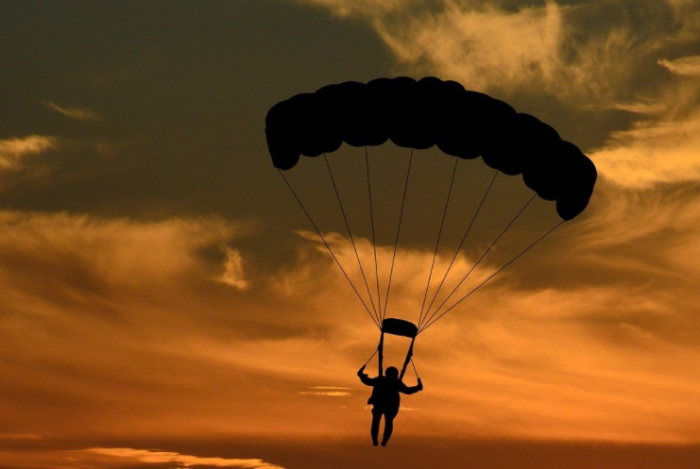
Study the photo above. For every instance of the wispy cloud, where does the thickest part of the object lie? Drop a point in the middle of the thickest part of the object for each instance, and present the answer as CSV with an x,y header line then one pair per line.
x,y
593,325
336,388
75,112
640,107
687,66
586,56
653,152
233,274
14,151
160,457
19,436
126,252
325,393
128,304
481,46
570,51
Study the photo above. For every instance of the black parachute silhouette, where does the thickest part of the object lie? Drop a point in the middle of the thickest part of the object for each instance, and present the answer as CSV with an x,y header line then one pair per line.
x,y
421,114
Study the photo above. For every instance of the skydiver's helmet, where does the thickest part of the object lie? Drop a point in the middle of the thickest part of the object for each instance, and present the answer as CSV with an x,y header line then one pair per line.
x,y
392,373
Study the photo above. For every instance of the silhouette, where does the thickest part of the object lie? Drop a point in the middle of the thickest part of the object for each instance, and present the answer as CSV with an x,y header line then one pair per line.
x,y
420,114
427,112
386,388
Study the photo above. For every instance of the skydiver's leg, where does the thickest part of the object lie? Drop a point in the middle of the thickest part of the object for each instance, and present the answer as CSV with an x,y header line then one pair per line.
x,y
376,417
388,427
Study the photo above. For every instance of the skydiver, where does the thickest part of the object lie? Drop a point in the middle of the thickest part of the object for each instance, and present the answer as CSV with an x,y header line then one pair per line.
x,y
385,398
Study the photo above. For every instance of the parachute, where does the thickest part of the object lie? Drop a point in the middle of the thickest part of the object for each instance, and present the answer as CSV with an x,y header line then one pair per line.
x,y
420,114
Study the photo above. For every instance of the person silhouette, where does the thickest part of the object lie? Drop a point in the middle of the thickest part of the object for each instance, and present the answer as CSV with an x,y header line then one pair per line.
x,y
385,398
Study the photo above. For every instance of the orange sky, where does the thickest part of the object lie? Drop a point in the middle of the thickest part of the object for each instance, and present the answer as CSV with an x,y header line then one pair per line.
x,y
164,302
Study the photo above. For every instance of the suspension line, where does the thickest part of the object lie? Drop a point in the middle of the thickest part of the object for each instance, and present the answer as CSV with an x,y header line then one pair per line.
x,y
437,244
482,257
398,232
374,241
306,212
352,239
459,248
491,276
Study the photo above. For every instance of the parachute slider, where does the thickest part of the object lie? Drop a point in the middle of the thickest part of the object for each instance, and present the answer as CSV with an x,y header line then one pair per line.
x,y
399,327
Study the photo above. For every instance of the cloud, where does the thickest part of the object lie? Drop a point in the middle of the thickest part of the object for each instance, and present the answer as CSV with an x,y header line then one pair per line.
x,y
653,226
79,252
20,436
129,309
132,305
233,274
160,457
686,66
652,152
574,52
414,453
640,107
76,113
336,388
616,320
588,57
15,150
480,46
591,337
95,283
325,393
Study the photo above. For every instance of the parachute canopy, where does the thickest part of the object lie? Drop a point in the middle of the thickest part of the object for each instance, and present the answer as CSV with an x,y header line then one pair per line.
x,y
428,112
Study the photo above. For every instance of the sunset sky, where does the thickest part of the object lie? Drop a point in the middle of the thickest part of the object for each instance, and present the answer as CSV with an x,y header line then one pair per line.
x,y
164,303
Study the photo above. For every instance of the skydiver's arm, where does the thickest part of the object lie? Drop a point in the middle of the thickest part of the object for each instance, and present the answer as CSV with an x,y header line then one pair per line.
x,y
411,389
364,377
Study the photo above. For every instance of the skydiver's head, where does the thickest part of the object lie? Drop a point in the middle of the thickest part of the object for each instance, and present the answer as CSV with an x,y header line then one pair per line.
x,y
392,373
